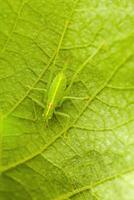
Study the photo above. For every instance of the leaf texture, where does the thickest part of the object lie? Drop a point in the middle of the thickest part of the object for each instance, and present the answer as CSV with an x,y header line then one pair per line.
x,y
92,157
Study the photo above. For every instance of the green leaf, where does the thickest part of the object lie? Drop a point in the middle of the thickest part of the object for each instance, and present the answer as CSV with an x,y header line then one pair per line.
x,y
92,157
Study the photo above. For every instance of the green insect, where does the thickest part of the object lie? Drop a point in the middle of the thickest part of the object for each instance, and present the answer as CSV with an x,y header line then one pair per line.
x,y
58,91
55,94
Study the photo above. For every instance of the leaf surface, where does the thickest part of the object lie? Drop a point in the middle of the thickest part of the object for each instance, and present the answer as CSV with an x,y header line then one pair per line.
x,y
91,157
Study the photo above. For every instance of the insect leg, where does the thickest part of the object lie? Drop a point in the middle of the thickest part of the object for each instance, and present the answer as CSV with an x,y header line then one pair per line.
x,y
62,114
75,98
37,102
36,88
